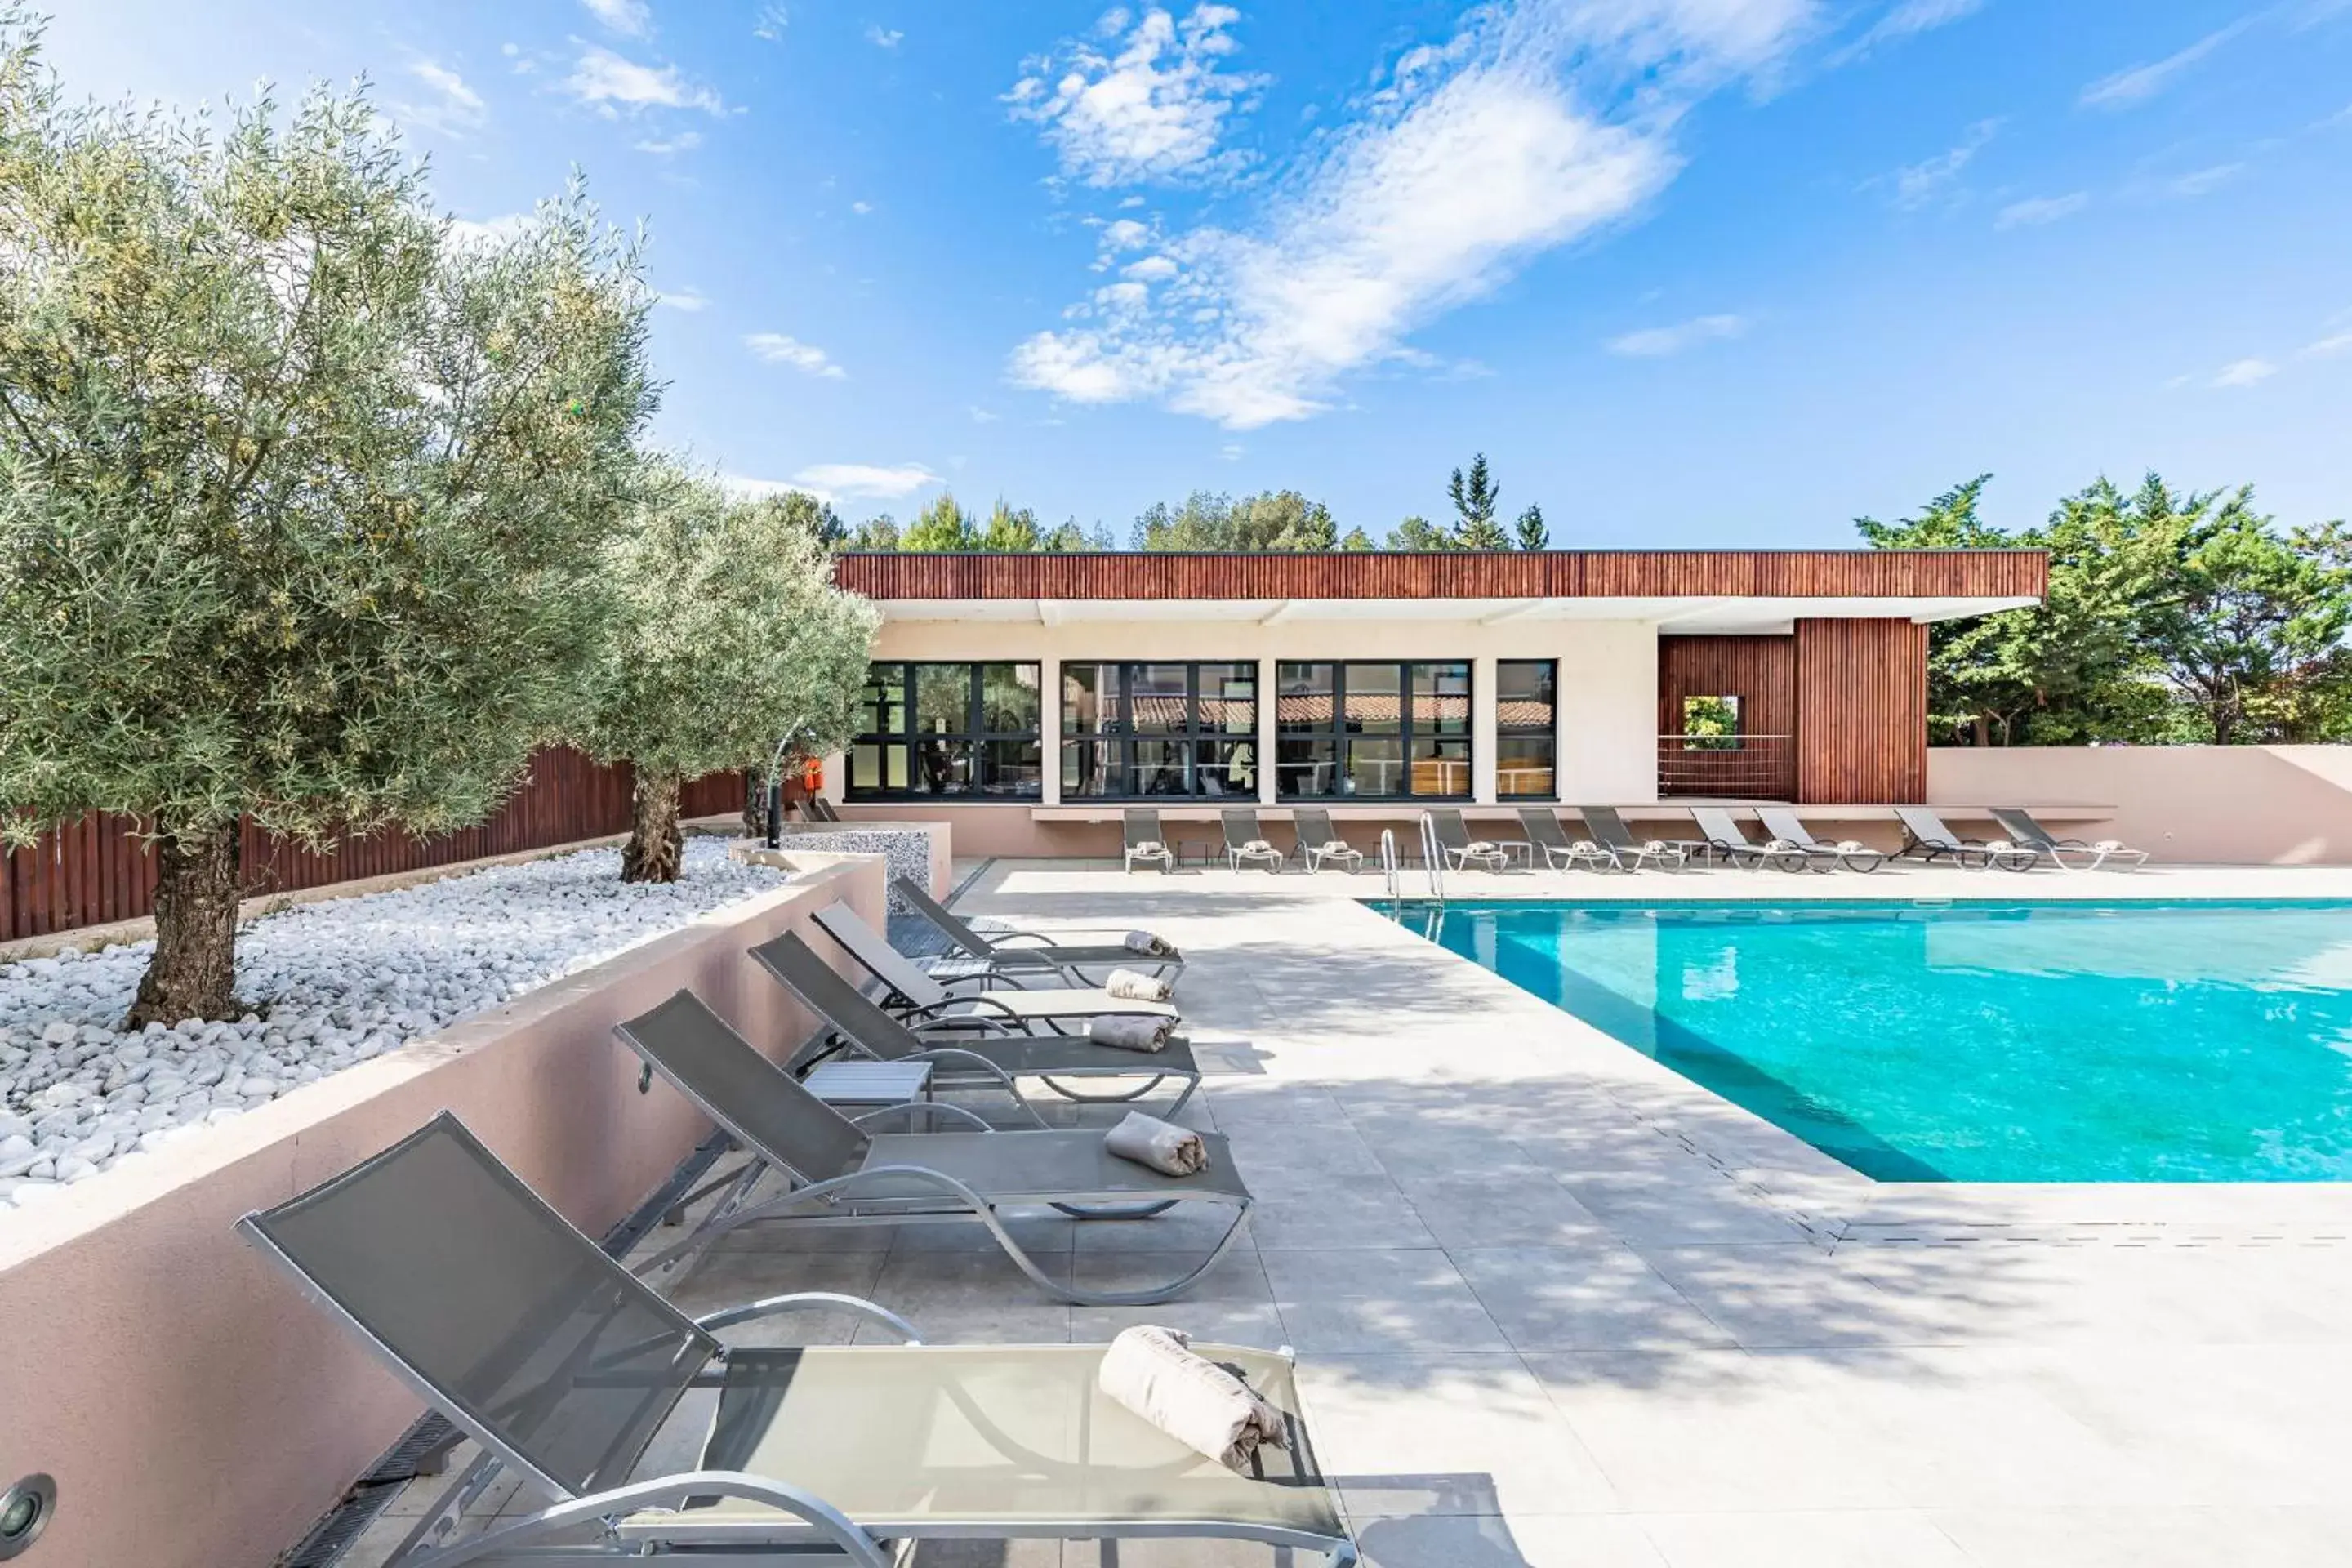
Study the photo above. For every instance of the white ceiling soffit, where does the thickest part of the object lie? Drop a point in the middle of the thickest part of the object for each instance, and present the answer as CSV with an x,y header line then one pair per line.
x,y
1725,616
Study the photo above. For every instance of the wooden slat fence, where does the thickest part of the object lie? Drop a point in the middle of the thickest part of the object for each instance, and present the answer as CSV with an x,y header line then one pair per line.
x,y
99,870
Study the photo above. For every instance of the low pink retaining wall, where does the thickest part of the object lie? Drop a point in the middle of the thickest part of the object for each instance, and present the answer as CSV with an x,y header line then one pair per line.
x,y
195,1411
2221,805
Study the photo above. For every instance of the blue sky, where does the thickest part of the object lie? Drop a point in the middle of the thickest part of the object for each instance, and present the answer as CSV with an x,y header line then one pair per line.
x,y
1690,272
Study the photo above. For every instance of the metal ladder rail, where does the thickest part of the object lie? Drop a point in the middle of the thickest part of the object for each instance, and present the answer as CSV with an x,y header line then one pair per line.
x,y
1390,868
1433,857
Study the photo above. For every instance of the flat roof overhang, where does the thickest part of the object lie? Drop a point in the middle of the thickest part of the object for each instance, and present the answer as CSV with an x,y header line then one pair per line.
x,y
1699,592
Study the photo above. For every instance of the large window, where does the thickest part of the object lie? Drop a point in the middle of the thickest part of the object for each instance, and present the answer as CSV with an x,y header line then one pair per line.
x,y
1131,730
969,730
1524,736
1374,731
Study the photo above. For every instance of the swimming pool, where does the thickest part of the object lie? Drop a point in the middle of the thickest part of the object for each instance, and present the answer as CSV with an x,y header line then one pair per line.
x,y
2208,1042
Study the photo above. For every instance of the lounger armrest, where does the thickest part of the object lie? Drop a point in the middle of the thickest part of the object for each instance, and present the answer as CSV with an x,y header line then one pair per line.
x,y
671,1493
939,1008
928,1107
810,1302
1006,938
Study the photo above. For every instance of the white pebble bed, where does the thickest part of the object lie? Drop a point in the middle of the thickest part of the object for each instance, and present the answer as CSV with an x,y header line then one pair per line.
x,y
330,985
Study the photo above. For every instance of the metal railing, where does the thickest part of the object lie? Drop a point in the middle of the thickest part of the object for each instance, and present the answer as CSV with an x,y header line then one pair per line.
x,y
1390,868
1728,767
1432,856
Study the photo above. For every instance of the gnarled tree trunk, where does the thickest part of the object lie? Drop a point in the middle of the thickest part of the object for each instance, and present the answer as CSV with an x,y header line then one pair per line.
x,y
755,804
194,972
656,846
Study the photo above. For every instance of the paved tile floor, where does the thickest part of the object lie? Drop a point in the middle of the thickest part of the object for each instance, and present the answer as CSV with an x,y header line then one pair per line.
x,y
1555,1306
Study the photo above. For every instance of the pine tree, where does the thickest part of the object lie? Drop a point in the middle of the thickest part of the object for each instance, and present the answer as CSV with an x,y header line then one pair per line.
x,y
1420,533
1474,505
1533,533
941,526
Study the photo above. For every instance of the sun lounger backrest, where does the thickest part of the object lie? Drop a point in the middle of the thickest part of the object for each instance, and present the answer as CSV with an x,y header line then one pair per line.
x,y
1143,828
1607,827
2020,825
1926,826
491,1305
1314,828
761,1104
832,998
939,915
1782,824
1717,823
1542,827
1451,831
1241,829
882,961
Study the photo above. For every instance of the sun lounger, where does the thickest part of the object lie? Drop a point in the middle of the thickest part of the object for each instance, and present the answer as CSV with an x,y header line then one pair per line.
x,y
1786,828
1319,841
817,808
1246,842
1545,834
1145,841
843,1174
1061,1061
1725,838
487,1304
1931,841
1003,950
2067,854
1624,851
1460,849
928,1000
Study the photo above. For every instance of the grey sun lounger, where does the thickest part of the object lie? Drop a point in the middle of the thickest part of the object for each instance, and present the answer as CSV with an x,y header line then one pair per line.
x,y
1725,837
2019,824
844,1175
1061,1061
1319,841
1559,851
1931,841
1787,827
1460,849
1624,850
816,808
1246,842
921,997
496,1311
1145,840
1003,950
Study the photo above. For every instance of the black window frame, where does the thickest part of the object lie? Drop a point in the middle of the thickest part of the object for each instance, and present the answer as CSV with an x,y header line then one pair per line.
x,y
1121,739
1548,733
1338,732
972,732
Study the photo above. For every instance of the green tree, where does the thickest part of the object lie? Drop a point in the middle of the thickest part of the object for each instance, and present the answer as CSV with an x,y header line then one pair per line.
x,y
301,498
1475,500
1274,521
1358,540
1533,533
876,533
1011,533
724,636
1420,533
816,517
941,526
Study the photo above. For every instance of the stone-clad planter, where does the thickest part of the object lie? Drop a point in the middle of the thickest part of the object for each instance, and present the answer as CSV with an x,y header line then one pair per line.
x,y
194,1411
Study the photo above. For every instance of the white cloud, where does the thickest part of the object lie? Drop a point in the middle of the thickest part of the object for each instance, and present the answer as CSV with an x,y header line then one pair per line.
x,y
842,482
1230,451
455,110
2245,373
1656,343
749,488
771,23
883,37
1904,20
2337,343
605,81
2204,180
1916,185
668,146
1150,269
980,416
2139,83
630,19
488,232
1135,201
1155,110
1533,128
2036,210
776,348
688,299
861,209
1125,235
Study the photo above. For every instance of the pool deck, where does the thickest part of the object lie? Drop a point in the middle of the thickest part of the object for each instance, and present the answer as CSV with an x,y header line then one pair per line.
x,y
1556,1306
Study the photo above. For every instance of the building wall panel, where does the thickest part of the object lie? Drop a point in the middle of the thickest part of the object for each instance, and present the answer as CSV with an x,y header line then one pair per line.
x,y
1861,712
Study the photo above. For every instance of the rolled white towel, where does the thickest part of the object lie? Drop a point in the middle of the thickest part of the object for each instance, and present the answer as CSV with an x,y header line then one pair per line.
x,y
1129,1031
1170,1150
1154,1372
1853,846
1147,846
1479,847
1148,945
1134,985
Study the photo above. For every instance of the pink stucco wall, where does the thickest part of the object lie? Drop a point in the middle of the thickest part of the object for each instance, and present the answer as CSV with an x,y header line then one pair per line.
x,y
2229,805
195,1411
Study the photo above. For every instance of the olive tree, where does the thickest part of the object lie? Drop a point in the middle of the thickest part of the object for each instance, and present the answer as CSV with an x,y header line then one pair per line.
x,y
724,637
299,490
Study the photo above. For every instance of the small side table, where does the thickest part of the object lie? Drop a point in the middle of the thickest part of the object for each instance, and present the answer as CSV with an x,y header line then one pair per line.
x,y
853,1086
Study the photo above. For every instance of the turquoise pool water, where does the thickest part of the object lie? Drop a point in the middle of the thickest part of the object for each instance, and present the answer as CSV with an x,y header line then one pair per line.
x,y
2210,1042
